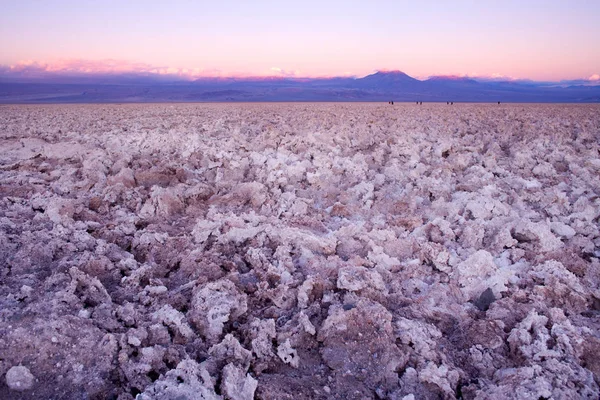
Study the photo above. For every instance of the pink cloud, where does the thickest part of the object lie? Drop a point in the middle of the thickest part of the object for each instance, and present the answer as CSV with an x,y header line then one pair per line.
x,y
276,71
111,67
80,67
484,77
595,77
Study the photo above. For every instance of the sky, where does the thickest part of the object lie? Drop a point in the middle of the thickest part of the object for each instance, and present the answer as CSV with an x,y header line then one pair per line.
x,y
541,40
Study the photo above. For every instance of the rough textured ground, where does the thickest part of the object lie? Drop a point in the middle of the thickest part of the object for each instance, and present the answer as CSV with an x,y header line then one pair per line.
x,y
296,251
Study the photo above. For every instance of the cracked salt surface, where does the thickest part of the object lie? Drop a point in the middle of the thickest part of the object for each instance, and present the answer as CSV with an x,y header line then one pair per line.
x,y
277,251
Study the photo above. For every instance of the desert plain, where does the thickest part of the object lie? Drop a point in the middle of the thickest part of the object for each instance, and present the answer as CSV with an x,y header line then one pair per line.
x,y
300,251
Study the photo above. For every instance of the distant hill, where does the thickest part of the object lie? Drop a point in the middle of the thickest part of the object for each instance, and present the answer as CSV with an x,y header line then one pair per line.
x,y
387,81
452,80
380,86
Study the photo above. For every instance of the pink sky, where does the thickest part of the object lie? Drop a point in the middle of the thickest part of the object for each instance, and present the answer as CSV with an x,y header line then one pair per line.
x,y
540,40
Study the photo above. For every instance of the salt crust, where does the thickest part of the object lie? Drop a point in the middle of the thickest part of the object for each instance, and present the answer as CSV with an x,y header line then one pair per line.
x,y
234,251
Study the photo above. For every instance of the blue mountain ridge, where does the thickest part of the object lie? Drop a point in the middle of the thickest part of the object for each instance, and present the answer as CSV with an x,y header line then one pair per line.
x,y
380,86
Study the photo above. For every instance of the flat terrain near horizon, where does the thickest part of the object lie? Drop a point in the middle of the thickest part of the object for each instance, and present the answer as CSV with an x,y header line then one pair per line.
x,y
300,251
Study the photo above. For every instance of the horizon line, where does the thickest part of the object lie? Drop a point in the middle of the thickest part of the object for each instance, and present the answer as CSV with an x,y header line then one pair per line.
x,y
34,72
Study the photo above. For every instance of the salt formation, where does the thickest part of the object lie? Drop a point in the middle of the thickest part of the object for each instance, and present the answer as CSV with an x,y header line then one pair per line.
x,y
19,379
315,251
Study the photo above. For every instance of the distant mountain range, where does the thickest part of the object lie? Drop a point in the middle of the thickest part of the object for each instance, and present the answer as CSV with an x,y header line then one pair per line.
x,y
380,86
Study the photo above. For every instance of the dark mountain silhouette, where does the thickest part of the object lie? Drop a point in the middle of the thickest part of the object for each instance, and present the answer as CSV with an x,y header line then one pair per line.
x,y
380,86
387,81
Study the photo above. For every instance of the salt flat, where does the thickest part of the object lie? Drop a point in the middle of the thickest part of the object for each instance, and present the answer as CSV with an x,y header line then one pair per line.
x,y
302,250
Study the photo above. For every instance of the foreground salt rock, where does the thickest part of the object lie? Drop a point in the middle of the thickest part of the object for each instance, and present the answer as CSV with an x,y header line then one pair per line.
x,y
19,378
358,339
309,251
188,381
215,304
